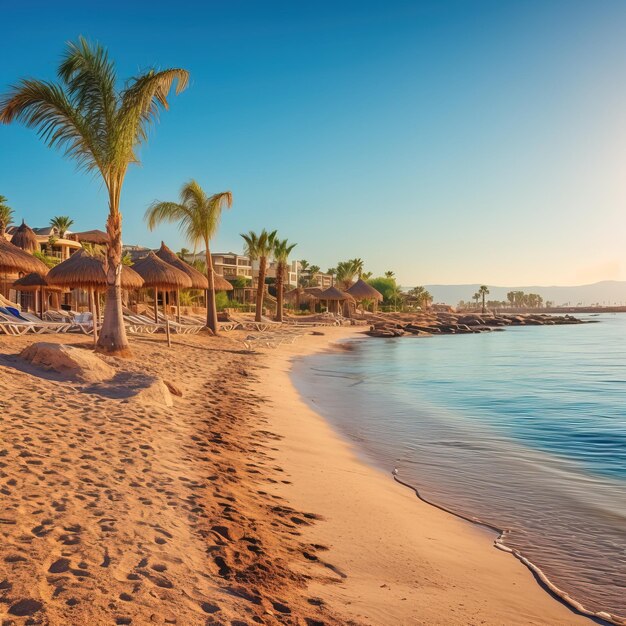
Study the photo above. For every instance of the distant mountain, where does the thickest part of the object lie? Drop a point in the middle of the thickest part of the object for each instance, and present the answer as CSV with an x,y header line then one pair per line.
x,y
608,292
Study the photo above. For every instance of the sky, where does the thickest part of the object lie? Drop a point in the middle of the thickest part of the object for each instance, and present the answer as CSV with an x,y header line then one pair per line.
x,y
447,141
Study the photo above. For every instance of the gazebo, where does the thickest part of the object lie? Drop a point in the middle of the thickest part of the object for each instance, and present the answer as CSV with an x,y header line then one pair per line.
x,y
158,274
333,297
362,291
300,296
24,237
36,283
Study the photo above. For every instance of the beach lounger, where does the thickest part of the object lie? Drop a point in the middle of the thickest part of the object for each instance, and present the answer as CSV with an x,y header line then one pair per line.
x,y
41,325
10,325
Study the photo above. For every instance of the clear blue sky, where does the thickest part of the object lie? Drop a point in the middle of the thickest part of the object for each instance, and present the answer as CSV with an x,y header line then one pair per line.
x,y
448,141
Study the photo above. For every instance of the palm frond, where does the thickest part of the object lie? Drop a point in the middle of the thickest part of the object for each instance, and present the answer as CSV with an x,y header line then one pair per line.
x,y
46,108
139,109
90,80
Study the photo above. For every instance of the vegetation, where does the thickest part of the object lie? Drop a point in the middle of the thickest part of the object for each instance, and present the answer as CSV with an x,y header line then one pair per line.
x,y
6,215
90,120
61,224
347,271
50,261
483,291
421,296
259,248
388,289
282,250
199,217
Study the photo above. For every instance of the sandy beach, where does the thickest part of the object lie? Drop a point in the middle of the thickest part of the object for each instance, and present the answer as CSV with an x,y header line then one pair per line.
x,y
236,505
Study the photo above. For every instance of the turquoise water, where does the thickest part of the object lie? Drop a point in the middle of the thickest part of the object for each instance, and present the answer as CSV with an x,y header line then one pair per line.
x,y
524,429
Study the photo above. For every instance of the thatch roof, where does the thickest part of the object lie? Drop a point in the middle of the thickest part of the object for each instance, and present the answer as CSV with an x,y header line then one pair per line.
x,y
24,237
84,271
316,292
220,283
300,295
198,279
362,291
161,275
97,237
14,259
32,282
332,293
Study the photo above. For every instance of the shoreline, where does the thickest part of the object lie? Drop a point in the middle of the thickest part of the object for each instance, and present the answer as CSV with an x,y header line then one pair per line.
x,y
313,452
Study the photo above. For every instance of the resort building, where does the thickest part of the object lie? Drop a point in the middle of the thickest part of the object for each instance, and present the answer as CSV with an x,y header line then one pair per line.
x,y
321,280
49,243
229,264
291,277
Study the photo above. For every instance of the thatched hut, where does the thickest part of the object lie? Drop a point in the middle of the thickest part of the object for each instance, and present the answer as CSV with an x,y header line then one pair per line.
x,y
299,296
94,237
361,291
333,297
36,283
24,237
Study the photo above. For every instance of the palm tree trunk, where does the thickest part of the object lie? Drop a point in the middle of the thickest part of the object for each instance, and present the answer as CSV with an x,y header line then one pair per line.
x,y
279,295
483,302
260,290
211,307
112,339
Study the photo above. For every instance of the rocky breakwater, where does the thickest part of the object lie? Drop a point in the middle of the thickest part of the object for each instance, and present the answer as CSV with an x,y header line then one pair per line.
x,y
429,324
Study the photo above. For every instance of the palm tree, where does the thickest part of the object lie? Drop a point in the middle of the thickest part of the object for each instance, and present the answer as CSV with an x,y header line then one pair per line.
x,y
199,217
367,275
347,270
313,271
357,265
6,215
476,297
282,250
483,291
304,272
91,120
61,224
259,248
389,274
332,272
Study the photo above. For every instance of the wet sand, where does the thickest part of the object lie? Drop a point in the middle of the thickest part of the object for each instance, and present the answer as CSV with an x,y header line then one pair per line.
x,y
238,505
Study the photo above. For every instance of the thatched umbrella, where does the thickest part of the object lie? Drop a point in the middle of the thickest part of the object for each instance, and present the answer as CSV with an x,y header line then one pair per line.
x,y
84,271
14,259
158,274
35,282
198,279
221,284
362,291
96,237
24,237
334,295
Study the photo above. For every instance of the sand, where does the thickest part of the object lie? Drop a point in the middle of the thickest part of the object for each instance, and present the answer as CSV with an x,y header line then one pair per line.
x,y
236,505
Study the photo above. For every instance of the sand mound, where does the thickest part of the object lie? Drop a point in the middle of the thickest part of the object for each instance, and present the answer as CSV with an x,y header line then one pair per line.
x,y
76,363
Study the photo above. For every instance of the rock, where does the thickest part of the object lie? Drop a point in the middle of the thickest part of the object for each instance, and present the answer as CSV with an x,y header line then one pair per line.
x,y
75,363
155,391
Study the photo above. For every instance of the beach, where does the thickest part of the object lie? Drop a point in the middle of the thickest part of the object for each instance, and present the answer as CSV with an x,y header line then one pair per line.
x,y
237,505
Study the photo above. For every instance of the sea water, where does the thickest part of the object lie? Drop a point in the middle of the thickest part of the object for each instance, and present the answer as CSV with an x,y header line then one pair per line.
x,y
524,429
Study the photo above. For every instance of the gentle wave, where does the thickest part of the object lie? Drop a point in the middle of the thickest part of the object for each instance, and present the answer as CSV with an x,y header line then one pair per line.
x,y
524,430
